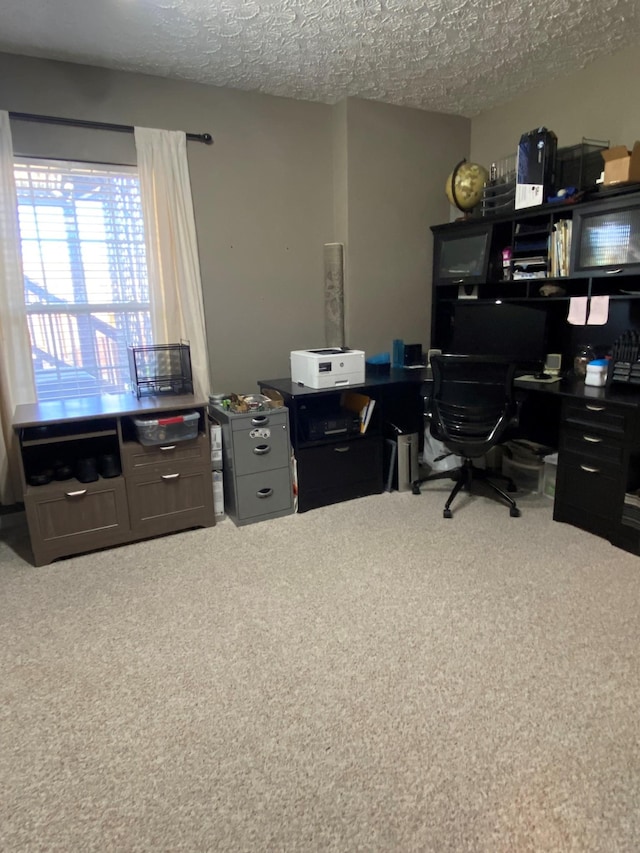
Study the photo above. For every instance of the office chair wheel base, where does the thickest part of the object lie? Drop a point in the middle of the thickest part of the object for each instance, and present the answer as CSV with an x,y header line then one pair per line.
x,y
514,512
511,486
446,513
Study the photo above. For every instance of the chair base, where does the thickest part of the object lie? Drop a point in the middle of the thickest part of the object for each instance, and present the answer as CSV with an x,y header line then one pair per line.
x,y
464,477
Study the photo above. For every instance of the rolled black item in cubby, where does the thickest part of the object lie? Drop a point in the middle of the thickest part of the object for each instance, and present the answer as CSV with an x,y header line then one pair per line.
x,y
109,465
87,469
161,369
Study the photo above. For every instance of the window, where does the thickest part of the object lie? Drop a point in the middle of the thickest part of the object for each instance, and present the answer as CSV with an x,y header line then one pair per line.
x,y
85,275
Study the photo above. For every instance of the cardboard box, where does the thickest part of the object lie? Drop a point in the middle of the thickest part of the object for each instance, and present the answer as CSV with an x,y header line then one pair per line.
x,y
621,165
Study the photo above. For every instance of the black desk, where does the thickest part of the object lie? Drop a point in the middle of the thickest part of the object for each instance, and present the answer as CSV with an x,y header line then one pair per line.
x,y
596,431
340,465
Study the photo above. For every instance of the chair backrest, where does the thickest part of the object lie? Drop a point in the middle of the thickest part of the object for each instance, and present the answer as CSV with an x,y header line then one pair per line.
x,y
472,403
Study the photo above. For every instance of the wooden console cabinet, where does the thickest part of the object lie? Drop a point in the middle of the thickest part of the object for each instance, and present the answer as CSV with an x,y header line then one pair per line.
x,y
161,489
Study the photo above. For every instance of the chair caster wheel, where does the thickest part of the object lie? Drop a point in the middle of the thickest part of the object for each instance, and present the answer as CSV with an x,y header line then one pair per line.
x,y
514,512
415,488
446,513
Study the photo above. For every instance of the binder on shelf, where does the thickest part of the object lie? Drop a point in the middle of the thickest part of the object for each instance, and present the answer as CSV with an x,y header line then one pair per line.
x,y
364,423
361,404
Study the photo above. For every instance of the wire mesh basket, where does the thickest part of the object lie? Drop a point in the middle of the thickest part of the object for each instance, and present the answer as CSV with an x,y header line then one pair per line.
x,y
161,369
580,165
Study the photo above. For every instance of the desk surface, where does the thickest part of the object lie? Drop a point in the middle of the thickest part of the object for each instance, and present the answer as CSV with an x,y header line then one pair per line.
x,y
576,388
622,394
397,376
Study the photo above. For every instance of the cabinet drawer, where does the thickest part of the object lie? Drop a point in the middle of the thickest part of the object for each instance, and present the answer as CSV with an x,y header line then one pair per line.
x,y
601,416
260,449
167,499
590,488
73,517
137,456
592,446
339,472
256,420
264,493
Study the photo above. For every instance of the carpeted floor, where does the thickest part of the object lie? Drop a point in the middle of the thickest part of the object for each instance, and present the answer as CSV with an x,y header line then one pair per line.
x,y
364,677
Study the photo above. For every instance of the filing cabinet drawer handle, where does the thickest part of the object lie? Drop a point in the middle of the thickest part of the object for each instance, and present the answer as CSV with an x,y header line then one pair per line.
x,y
596,408
168,447
590,470
593,439
614,272
342,449
264,493
259,420
77,494
170,476
262,449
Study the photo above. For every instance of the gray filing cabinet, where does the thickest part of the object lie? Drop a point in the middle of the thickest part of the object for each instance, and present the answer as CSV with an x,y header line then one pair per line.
x,y
257,468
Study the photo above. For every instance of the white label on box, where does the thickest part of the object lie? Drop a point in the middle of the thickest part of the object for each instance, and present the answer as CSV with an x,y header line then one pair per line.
x,y
528,195
218,494
215,432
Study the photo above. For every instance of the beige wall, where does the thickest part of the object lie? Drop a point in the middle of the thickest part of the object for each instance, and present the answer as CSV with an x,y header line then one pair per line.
x,y
597,102
283,178
397,163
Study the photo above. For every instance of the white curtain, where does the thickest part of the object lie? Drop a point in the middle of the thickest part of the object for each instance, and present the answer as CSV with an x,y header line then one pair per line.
x,y
177,311
17,383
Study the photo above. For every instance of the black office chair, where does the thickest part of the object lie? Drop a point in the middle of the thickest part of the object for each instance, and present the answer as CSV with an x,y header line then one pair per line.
x,y
471,409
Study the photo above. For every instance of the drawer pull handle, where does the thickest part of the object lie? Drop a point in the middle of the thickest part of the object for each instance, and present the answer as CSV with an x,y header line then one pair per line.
x,y
264,493
590,470
596,408
593,439
168,447
342,449
170,476
262,449
77,494
259,420
614,272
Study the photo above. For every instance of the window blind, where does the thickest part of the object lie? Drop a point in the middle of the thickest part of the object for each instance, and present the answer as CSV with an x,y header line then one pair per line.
x,y
85,275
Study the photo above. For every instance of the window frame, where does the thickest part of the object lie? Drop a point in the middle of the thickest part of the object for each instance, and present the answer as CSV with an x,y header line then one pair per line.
x,y
96,368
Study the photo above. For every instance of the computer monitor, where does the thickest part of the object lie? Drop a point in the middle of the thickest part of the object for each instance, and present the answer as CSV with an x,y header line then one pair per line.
x,y
517,332
464,257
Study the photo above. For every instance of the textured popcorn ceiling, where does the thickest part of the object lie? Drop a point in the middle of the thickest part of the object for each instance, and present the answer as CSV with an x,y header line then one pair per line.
x,y
455,56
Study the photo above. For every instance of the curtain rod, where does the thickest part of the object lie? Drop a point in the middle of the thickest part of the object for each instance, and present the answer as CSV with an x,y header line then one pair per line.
x,y
99,125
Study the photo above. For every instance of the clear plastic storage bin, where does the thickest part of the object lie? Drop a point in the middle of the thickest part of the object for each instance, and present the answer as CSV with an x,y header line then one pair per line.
x,y
168,429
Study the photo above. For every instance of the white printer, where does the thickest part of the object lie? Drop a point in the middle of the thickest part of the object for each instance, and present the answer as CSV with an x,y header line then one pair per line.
x,y
327,368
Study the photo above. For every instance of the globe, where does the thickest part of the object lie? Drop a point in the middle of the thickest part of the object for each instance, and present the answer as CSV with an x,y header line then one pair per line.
x,y
465,184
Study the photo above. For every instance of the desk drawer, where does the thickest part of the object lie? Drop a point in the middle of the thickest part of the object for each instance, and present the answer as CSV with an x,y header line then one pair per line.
x,y
590,488
339,472
591,446
598,415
